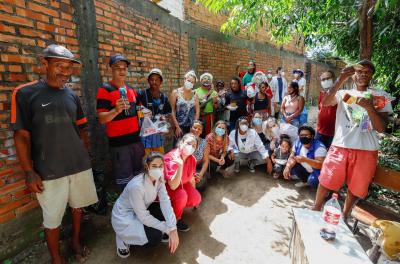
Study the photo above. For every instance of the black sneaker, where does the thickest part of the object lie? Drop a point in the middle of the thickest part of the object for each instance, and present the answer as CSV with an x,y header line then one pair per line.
x,y
123,253
182,226
250,165
165,238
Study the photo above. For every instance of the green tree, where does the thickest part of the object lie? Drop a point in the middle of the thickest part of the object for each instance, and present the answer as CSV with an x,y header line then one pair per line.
x,y
354,29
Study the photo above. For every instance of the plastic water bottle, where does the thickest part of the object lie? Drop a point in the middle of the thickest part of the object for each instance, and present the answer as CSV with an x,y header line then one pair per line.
x,y
331,216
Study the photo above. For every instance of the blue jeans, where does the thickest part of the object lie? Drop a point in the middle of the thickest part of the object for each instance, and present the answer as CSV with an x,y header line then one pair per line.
x,y
295,122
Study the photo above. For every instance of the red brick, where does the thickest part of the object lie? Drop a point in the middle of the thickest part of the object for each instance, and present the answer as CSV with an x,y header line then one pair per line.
x,y
14,204
20,3
5,199
16,20
13,187
42,9
34,33
66,40
15,77
55,4
15,68
6,8
7,217
14,39
6,172
46,27
32,15
27,207
66,16
16,58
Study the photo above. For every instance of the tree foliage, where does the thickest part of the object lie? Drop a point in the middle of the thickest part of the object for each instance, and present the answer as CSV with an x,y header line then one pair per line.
x,y
330,22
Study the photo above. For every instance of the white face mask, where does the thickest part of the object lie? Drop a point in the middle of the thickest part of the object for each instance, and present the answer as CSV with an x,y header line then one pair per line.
x,y
156,173
296,75
282,73
188,85
269,75
187,150
327,84
244,127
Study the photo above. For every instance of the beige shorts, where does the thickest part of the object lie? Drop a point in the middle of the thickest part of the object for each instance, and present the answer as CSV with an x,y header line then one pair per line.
x,y
77,190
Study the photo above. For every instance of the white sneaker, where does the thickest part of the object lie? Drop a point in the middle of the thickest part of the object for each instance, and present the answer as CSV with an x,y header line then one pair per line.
x,y
123,253
301,184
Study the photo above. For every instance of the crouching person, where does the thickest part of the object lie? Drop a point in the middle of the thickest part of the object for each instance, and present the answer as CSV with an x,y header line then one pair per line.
x,y
137,218
306,159
245,143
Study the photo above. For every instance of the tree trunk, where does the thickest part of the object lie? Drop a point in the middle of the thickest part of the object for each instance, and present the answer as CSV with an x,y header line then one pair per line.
x,y
366,29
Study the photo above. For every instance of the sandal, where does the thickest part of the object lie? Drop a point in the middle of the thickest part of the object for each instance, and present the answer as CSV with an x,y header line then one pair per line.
x,y
82,255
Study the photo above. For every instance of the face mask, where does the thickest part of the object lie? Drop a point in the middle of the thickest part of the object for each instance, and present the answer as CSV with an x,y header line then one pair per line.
x,y
244,127
257,121
296,75
269,75
305,140
282,74
220,131
188,85
156,173
327,84
187,150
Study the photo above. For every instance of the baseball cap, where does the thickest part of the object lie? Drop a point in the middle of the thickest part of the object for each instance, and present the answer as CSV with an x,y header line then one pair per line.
x,y
59,52
298,71
155,71
118,57
365,63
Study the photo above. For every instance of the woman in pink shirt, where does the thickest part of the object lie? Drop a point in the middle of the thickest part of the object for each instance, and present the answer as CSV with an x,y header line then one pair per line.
x,y
179,171
292,105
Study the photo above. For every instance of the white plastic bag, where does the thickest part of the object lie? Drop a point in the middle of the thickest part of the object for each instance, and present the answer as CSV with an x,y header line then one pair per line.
x,y
148,127
290,130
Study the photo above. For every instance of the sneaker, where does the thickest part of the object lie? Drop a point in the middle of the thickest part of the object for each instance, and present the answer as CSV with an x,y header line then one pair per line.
x,y
250,165
123,253
165,238
301,184
182,226
237,167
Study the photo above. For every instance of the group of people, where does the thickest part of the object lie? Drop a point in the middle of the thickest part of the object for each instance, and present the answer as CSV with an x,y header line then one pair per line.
x,y
215,131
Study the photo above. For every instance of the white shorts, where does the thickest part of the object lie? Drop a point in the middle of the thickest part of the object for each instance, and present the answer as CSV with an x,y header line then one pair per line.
x,y
77,190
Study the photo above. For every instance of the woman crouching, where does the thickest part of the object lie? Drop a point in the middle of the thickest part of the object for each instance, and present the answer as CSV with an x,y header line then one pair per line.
x,y
137,218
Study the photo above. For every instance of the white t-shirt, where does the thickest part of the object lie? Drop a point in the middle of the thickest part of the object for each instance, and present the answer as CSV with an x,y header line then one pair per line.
x,y
319,152
301,82
353,128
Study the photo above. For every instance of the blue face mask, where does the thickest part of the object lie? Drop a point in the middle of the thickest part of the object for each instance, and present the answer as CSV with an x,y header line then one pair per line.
x,y
257,121
220,131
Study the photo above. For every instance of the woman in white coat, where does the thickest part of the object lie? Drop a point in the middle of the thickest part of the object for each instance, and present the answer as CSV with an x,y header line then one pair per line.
x,y
137,218
245,143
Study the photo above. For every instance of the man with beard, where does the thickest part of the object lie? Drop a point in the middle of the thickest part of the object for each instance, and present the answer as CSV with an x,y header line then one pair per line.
x,y
48,123
353,155
116,106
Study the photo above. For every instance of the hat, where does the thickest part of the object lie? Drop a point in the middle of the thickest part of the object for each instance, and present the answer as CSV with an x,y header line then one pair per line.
x,y
251,92
206,75
60,52
366,63
299,72
118,57
220,82
155,71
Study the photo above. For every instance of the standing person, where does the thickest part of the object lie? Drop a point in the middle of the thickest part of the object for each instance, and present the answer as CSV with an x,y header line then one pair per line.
x,y
185,105
292,105
353,155
235,102
202,156
262,101
251,69
143,214
244,143
279,89
153,99
208,99
122,122
221,113
269,76
298,76
179,174
218,142
49,134
326,114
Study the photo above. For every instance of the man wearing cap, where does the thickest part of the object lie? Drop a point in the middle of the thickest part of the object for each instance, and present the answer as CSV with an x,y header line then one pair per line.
x,y
279,89
116,107
156,101
48,123
353,155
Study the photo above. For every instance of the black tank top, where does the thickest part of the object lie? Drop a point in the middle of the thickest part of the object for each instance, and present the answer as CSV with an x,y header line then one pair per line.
x,y
261,104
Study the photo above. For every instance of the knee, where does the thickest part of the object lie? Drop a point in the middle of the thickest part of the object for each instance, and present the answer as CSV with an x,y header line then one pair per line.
x,y
180,198
154,237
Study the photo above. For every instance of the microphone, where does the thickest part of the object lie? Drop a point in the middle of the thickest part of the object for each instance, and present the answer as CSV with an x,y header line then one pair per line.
x,y
122,93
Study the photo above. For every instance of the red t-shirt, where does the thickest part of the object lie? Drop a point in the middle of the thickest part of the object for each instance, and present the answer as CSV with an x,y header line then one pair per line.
x,y
326,117
170,167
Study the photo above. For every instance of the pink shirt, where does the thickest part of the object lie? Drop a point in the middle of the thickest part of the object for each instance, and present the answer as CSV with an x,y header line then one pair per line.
x,y
291,104
170,167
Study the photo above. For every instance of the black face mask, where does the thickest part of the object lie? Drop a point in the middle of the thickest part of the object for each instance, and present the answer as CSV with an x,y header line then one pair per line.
x,y
305,140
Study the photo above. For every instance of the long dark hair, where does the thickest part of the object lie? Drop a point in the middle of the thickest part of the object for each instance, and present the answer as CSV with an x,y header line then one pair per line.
x,y
295,87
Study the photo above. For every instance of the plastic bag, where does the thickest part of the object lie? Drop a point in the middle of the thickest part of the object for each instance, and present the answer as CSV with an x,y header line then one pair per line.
x,y
290,130
148,127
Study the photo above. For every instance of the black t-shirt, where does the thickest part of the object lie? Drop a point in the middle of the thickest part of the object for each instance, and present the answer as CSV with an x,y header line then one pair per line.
x,y
53,117
240,99
261,104
158,105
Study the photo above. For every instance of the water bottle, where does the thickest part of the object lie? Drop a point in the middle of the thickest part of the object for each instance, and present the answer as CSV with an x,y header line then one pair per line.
x,y
122,93
331,216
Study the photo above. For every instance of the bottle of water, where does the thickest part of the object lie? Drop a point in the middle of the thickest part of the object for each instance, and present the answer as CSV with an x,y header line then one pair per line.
x,y
331,216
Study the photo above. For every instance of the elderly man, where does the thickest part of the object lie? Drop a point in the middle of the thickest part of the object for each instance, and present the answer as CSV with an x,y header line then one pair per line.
x,y
48,123
353,155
